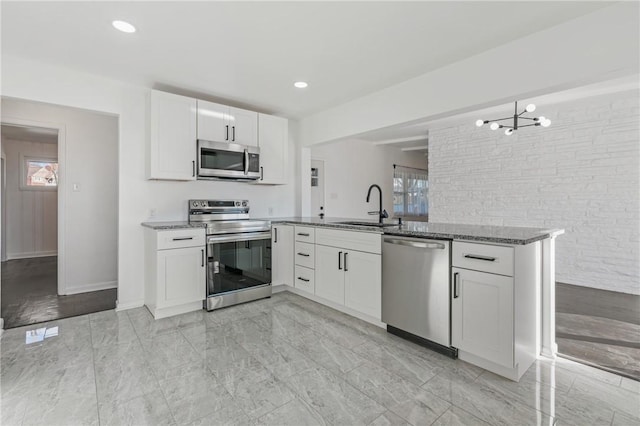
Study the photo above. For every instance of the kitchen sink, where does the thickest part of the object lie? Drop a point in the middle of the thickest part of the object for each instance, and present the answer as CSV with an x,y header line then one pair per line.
x,y
372,224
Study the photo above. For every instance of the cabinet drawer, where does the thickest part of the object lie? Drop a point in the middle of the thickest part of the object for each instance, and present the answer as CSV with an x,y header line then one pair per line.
x,y
180,238
369,242
306,234
305,279
483,257
305,254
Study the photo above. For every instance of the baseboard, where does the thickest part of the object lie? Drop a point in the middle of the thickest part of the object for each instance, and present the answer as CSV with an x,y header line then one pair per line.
x,y
15,256
92,287
279,288
1,326
129,305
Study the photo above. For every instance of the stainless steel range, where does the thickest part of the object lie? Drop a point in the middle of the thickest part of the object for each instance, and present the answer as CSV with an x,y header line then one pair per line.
x,y
238,252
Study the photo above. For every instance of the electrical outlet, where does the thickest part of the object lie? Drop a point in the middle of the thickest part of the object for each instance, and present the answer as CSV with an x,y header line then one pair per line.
x,y
152,212
270,211
76,187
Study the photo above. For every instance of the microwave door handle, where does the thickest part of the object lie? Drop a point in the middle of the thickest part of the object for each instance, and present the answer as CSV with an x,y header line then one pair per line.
x,y
246,161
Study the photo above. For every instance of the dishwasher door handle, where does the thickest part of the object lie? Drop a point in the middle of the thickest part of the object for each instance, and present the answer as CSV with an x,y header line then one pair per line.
x,y
414,244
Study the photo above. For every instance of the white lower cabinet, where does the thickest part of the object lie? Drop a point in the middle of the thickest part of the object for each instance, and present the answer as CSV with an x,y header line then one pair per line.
x,y
349,277
329,274
482,315
362,282
494,305
175,271
282,245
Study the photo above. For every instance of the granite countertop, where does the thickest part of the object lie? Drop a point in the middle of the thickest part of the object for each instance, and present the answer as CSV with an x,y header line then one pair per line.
x,y
172,225
443,231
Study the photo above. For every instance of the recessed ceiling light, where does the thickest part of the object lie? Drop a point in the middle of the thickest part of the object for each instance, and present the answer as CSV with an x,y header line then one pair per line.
x,y
123,26
300,84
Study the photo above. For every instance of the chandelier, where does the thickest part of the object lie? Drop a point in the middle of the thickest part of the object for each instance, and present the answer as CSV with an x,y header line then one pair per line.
x,y
537,121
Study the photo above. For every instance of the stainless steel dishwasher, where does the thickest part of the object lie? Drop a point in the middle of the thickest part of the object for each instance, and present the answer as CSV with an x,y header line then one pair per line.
x,y
416,303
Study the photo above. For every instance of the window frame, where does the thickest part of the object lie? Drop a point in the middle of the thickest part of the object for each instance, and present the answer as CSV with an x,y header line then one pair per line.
x,y
24,170
405,200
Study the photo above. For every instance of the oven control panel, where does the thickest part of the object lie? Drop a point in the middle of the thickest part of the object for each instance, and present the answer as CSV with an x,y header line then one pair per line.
x,y
219,209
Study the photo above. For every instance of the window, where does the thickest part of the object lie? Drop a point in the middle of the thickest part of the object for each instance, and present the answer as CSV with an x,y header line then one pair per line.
x,y
39,173
410,192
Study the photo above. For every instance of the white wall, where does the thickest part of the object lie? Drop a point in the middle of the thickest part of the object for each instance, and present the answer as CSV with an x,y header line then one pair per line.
x,y
90,214
31,215
28,79
598,46
581,174
351,166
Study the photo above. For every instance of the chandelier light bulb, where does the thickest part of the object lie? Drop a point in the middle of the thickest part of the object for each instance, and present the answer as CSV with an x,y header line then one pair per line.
x,y
530,108
479,123
546,122
508,132
541,119
494,126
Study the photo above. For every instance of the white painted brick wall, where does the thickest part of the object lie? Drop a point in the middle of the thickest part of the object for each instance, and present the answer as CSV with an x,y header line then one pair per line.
x,y
581,174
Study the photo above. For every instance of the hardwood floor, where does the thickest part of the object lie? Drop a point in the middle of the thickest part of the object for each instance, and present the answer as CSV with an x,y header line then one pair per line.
x,y
30,296
600,328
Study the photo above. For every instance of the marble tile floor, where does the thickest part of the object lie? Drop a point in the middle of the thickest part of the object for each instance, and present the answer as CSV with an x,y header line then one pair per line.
x,y
599,327
30,294
279,361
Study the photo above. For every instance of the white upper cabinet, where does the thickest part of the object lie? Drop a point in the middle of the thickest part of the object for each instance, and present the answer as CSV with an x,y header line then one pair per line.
x,y
273,140
213,121
222,123
172,149
244,126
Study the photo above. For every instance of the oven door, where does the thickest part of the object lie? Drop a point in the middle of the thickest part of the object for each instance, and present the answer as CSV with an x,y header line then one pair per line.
x,y
238,262
227,160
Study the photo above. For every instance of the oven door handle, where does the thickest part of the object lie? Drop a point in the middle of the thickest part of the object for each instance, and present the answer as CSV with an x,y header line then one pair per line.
x,y
249,236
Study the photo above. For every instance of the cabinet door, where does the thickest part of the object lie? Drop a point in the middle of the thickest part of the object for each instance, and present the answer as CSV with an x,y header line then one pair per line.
x,y
363,282
213,122
273,140
482,315
330,273
181,276
243,126
282,255
172,152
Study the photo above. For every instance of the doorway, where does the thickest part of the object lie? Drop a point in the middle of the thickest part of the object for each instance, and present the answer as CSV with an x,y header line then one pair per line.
x,y
317,188
31,292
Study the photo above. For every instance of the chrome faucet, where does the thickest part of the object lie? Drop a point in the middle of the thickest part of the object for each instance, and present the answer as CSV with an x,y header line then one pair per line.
x,y
382,214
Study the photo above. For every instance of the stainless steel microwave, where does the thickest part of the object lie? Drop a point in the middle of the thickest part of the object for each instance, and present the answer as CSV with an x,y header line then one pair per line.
x,y
227,161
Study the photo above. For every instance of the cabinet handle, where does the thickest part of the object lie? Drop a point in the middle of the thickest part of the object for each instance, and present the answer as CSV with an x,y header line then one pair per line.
x,y
345,262
303,254
303,234
183,239
455,285
261,173
478,257
226,138
193,168
233,138
340,260
276,237
303,279
202,251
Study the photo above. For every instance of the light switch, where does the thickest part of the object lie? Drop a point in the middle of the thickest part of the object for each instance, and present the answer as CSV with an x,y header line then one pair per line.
x,y
76,187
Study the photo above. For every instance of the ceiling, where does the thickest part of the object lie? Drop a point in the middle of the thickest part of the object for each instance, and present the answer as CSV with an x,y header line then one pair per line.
x,y
250,53
31,134
410,135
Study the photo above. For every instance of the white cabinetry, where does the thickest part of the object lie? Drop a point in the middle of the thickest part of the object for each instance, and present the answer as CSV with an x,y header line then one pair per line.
x,y
222,123
273,140
172,141
482,322
175,271
349,270
282,246
494,314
